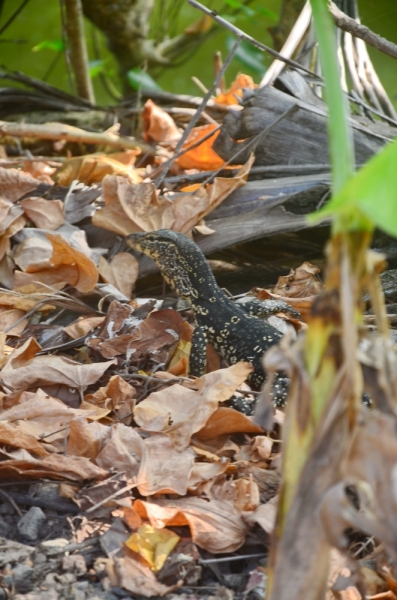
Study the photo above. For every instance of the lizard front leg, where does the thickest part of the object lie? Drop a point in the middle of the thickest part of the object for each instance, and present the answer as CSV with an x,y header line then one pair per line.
x,y
198,353
265,308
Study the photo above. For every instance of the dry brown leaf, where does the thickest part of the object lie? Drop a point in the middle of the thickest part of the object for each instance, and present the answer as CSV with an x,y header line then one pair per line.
x,y
264,515
299,283
15,183
47,418
227,421
43,370
215,526
236,89
118,395
203,156
180,412
164,469
155,336
139,580
54,466
122,272
9,316
92,168
124,448
45,214
82,326
302,305
134,208
40,170
85,438
9,213
11,435
158,126
61,263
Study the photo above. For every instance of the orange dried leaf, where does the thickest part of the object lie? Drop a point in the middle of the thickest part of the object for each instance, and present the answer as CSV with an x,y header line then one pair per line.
x,y
158,126
236,89
203,156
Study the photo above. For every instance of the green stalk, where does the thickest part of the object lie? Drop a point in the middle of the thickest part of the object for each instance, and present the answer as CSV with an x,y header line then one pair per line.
x,y
341,147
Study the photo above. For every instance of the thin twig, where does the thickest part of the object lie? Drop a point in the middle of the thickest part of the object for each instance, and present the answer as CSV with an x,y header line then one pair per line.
x,y
12,502
346,23
250,39
202,106
127,488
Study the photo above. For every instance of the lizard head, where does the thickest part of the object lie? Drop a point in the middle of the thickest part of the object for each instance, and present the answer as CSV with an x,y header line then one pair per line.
x,y
180,260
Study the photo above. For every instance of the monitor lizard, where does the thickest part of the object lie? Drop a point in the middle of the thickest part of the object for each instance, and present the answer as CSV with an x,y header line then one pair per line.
x,y
232,329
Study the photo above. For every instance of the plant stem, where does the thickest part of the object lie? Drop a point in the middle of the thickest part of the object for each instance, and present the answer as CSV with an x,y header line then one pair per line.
x,y
74,22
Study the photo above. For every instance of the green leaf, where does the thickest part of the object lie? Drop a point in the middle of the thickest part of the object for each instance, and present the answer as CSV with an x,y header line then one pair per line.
x,y
140,79
55,45
369,198
96,67
247,54
266,13
236,4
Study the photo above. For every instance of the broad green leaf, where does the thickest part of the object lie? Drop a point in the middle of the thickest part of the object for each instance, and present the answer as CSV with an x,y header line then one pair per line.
x,y
250,56
140,79
369,198
55,45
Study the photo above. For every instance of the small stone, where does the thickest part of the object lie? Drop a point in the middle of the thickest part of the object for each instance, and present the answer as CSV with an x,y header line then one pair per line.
x,y
6,509
74,563
4,528
31,523
22,577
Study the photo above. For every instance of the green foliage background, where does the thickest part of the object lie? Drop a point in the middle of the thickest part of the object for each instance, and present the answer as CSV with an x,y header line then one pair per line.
x,y
28,45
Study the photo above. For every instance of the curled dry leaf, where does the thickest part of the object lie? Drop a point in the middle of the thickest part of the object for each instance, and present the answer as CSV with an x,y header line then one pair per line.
x,y
164,469
40,170
227,421
203,156
264,515
158,126
302,305
92,168
124,448
45,214
61,263
54,466
121,271
300,283
236,89
215,526
11,435
138,579
180,412
118,395
82,326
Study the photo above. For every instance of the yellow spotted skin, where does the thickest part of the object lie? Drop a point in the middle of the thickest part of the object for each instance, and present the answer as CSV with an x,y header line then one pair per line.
x,y
231,328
